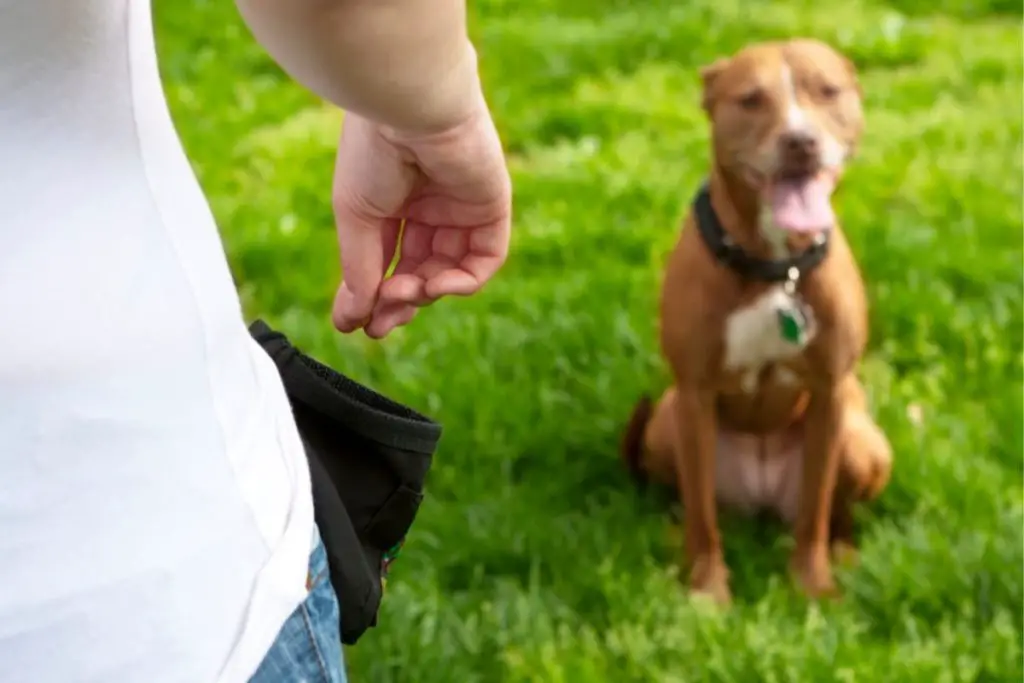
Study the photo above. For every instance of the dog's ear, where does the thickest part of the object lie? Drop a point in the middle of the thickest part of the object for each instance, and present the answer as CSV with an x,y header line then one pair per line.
x,y
708,75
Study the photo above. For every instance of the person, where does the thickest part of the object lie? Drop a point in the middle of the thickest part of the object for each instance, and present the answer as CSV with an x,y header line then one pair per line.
x,y
156,523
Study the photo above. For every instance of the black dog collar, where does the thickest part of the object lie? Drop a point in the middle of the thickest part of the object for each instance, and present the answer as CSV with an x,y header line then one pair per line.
x,y
729,254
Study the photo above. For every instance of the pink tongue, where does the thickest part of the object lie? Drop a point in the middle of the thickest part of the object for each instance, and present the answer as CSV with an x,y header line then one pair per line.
x,y
803,205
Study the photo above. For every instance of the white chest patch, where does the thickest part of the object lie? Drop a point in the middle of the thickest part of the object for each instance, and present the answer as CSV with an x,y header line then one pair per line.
x,y
753,338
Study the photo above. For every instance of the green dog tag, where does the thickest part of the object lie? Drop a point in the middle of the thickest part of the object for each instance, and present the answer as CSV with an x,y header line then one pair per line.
x,y
792,325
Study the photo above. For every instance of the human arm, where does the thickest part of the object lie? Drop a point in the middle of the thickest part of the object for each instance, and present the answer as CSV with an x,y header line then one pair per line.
x,y
407,64
420,167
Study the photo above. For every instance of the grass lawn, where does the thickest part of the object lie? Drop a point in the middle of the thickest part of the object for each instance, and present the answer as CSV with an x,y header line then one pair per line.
x,y
533,559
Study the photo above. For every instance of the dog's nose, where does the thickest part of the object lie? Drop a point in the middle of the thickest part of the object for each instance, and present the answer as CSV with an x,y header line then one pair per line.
x,y
799,145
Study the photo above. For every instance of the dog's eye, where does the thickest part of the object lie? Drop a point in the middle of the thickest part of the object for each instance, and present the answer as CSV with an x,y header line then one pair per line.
x,y
751,100
829,91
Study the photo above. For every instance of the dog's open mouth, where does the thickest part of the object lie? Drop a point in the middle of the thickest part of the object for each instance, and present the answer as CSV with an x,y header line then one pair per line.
x,y
801,203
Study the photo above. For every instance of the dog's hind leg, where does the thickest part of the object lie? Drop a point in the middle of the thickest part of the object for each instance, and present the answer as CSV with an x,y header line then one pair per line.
x,y
864,469
648,443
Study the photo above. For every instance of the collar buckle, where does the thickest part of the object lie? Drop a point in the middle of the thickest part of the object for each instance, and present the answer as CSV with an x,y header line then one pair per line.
x,y
792,280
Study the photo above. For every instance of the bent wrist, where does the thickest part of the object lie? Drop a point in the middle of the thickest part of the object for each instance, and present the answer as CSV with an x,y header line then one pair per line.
x,y
446,99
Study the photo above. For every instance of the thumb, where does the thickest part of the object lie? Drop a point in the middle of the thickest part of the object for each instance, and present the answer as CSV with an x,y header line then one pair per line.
x,y
361,241
371,183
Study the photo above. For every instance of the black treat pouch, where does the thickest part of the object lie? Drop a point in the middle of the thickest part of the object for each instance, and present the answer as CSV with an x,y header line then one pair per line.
x,y
368,458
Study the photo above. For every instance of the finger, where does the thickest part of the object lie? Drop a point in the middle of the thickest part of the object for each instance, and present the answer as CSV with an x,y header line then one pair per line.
x,y
349,322
417,241
362,268
485,254
367,247
388,319
387,309
371,182
407,288
452,282
406,284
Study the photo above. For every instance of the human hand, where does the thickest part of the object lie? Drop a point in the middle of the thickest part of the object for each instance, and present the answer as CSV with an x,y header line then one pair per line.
x,y
453,192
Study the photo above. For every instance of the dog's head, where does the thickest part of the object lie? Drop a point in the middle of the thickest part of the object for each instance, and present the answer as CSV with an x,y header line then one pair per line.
x,y
785,117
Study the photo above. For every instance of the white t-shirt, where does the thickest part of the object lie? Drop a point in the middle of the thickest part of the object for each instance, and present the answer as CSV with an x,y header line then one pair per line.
x,y
155,507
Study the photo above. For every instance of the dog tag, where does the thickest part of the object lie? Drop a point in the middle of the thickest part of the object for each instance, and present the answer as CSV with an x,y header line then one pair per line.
x,y
792,319
792,324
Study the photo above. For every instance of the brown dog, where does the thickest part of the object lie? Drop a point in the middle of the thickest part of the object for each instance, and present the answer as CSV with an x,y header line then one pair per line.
x,y
764,319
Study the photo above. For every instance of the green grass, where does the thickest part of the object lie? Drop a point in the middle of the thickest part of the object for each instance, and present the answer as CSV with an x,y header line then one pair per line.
x,y
533,559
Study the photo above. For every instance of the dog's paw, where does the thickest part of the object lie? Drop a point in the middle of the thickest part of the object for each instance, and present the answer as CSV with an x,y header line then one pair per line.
x,y
812,574
845,553
709,578
717,593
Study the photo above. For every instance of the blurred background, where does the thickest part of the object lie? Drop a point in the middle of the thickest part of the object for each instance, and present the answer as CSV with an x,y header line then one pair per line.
x,y
533,558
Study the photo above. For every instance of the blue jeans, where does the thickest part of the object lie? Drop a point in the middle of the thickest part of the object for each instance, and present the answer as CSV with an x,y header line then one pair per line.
x,y
308,648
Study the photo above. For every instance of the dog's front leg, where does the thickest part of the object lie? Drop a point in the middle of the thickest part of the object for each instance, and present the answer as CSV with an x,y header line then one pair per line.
x,y
695,455
810,564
